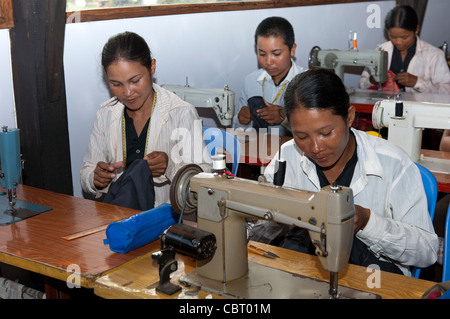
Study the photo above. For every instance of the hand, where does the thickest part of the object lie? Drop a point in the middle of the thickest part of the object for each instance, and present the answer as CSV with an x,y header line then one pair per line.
x,y
406,79
244,115
104,173
271,113
157,161
362,216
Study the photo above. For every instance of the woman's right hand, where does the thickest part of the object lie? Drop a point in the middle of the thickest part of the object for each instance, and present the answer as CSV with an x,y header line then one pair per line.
x,y
104,173
244,115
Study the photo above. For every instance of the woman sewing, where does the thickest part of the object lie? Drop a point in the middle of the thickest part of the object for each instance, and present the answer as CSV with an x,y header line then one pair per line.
x,y
142,121
416,65
392,226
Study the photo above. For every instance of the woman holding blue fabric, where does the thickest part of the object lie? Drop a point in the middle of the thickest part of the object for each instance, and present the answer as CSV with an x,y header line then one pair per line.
x,y
142,121
261,101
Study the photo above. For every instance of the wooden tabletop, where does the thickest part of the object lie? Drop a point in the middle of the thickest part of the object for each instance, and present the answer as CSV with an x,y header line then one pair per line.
x,y
139,278
36,243
443,179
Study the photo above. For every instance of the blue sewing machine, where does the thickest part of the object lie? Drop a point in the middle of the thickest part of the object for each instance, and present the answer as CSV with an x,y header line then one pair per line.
x,y
12,210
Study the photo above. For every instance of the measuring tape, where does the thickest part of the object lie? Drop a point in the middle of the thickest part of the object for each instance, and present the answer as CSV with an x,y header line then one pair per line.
x,y
86,232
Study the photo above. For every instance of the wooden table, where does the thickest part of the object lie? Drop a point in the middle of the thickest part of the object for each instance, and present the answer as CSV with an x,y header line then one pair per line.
x,y
36,243
139,278
442,178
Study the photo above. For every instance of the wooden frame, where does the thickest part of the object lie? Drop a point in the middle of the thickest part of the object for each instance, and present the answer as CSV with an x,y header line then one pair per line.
x,y
159,10
6,16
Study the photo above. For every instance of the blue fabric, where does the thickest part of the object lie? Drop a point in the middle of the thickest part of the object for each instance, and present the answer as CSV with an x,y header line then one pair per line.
x,y
445,295
134,189
140,229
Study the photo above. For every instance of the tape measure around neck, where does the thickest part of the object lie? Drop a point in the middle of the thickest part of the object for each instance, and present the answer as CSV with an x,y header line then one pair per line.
x,y
279,92
124,135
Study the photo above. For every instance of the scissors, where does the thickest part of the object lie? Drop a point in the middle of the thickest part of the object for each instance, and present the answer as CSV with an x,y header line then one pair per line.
x,y
262,252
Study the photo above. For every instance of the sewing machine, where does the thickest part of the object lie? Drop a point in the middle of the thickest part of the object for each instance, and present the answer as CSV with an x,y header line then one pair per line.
x,y
224,204
375,60
12,210
406,121
11,167
216,104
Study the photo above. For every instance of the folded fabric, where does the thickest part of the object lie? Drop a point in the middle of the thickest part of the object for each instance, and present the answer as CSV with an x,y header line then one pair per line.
x,y
255,103
140,229
438,291
389,85
134,189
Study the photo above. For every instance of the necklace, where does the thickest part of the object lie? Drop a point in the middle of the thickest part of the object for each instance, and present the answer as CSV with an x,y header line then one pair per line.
x,y
124,137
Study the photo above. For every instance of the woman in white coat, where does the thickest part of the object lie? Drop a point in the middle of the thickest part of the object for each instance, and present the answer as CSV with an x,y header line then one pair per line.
x,y
418,66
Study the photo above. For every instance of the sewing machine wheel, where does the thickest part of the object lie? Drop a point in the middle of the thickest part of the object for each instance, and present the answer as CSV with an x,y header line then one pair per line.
x,y
312,57
179,186
330,60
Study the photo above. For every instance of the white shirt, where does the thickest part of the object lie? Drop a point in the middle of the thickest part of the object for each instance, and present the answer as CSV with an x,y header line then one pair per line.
x,y
175,128
387,182
428,64
253,87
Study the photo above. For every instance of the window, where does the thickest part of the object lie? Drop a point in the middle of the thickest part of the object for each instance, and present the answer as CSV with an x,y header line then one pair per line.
x,y
95,10
6,17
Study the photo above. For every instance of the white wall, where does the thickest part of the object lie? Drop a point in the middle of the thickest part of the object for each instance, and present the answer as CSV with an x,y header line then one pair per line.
x,y
211,49
7,110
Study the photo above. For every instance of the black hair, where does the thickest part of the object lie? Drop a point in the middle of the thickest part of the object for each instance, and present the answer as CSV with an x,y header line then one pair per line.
x,y
317,88
277,27
403,17
129,46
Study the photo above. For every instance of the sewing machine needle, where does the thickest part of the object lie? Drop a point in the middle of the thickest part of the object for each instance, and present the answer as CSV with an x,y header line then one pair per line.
x,y
334,285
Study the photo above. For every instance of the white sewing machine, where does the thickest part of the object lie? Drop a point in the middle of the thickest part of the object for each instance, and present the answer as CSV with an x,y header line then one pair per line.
x,y
406,121
224,204
216,104
375,60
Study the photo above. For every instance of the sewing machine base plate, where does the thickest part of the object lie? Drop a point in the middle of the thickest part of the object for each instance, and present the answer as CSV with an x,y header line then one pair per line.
x,y
22,210
262,282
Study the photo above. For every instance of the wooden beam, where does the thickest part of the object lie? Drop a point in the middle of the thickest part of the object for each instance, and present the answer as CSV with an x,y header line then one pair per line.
x,y
186,8
6,15
420,6
37,45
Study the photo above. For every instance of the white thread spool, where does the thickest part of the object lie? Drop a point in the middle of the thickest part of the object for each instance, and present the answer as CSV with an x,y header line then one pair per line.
x,y
219,163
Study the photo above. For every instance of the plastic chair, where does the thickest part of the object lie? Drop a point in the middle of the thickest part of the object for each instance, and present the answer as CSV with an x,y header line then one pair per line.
x,y
431,190
215,137
446,258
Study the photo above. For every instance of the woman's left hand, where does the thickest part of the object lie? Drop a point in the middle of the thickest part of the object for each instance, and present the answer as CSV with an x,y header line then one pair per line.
x,y
157,161
406,79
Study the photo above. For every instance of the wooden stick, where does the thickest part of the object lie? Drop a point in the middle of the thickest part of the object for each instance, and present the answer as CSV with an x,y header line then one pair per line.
x,y
85,232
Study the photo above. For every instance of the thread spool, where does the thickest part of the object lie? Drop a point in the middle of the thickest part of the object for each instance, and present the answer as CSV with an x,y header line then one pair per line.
x,y
219,164
398,106
278,177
